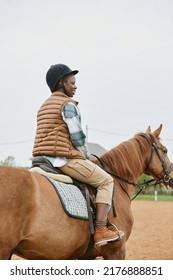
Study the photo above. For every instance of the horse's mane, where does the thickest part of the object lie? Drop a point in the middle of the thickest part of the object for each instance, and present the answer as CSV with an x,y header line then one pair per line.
x,y
127,158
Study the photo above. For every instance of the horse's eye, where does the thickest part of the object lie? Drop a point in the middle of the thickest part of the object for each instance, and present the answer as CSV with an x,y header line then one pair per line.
x,y
165,150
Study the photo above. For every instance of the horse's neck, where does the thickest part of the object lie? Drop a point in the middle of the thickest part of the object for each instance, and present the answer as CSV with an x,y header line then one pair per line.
x,y
128,160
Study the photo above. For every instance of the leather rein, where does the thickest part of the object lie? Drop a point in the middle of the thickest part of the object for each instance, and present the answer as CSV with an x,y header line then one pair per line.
x,y
165,178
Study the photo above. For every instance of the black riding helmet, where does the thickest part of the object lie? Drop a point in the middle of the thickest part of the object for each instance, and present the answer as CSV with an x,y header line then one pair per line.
x,y
56,72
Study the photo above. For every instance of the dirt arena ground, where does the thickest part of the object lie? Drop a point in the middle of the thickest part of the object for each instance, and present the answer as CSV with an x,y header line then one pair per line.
x,y
152,234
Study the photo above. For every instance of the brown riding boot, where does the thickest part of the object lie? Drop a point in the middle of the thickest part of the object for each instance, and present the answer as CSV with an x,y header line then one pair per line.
x,y
102,234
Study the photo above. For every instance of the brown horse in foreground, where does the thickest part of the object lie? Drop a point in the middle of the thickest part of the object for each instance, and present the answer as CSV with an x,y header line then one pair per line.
x,y
34,225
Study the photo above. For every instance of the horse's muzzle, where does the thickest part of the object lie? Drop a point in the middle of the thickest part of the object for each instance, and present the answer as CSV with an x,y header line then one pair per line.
x,y
171,183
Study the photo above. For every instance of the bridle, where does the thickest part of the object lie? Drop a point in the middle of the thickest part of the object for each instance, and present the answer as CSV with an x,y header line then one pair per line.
x,y
165,179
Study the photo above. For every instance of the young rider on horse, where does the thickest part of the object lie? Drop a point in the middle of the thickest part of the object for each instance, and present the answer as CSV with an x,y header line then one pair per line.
x,y
60,138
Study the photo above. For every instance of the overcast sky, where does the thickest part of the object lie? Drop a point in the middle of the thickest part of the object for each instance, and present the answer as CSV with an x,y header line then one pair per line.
x,y
123,50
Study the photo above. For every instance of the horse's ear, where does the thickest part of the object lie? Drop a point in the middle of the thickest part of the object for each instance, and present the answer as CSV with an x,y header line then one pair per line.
x,y
156,133
148,130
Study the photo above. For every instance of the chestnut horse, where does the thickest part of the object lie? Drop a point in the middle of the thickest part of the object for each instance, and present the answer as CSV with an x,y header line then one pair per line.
x,y
33,224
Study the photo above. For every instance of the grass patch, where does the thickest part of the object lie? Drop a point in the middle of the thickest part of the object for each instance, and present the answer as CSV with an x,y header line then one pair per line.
x,y
152,198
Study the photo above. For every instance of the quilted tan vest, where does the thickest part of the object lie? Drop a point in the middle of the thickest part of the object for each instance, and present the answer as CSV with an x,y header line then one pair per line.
x,y
52,135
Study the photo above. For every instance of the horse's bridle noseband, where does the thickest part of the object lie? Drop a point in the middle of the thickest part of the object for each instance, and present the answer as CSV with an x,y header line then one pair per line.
x,y
166,178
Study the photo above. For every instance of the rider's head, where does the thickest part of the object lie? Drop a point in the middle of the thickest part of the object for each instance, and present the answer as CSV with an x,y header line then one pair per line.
x,y
56,74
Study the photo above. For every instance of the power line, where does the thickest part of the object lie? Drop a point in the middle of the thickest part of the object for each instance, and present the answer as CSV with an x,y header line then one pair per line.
x,y
108,132
120,134
16,143
87,128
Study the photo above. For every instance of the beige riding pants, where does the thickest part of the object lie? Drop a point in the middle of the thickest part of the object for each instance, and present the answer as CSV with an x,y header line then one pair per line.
x,y
88,172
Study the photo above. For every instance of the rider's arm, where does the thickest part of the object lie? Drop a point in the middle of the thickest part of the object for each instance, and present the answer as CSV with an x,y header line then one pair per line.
x,y
71,116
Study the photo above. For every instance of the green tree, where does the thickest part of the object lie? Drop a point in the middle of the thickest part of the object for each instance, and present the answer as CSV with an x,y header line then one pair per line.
x,y
8,161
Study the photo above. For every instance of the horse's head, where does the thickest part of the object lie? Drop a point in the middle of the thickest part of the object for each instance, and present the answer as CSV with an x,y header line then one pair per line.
x,y
159,165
